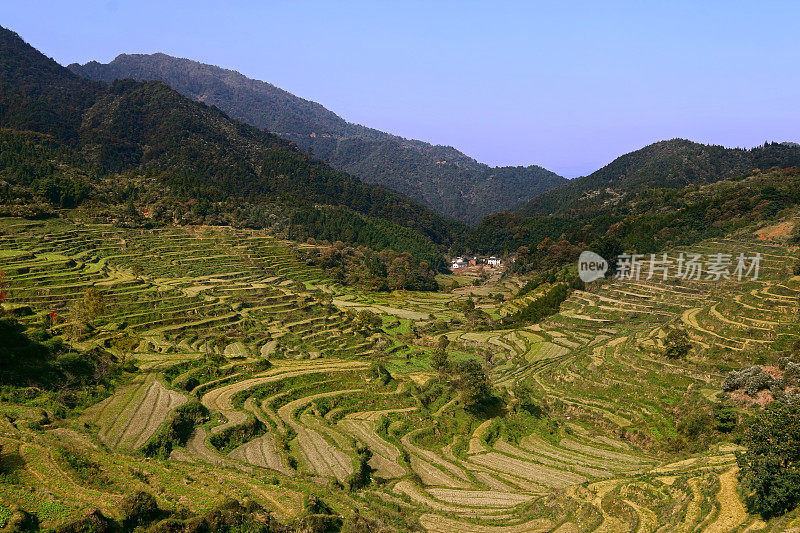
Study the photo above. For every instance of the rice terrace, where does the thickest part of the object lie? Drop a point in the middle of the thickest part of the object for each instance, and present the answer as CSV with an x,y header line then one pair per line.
x,y
205,326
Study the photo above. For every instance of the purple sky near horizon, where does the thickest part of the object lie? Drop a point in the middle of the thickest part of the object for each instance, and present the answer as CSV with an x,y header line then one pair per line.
x,y
565,85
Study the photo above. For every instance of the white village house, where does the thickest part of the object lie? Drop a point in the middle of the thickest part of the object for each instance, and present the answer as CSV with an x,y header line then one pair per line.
x,y
463,262
459,262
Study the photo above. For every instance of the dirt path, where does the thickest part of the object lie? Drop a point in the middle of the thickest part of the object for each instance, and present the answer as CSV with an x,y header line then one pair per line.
x,y
731,510
475,442
440,524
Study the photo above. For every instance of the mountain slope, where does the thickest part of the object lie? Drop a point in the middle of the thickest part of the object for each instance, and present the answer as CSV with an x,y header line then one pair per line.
x,y
666,164
39,94
438,176
195,150
654,219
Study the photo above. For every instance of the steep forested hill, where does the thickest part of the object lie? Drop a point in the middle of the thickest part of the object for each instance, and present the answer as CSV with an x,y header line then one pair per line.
x,y
39,94
197,150
439,176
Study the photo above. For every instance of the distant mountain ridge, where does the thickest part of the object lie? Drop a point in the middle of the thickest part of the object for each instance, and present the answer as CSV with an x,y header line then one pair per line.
x,y
668,164
440,177
197,153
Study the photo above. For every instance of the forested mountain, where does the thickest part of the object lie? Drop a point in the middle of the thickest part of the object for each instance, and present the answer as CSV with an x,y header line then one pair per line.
x,y
439,176
667,164
196,151
654,219
39,94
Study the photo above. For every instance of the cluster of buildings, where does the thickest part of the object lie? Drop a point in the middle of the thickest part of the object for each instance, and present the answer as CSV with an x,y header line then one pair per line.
x,y
466,262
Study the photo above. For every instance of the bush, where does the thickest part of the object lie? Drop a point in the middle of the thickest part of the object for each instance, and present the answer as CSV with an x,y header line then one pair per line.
x,y
677,345
439,360
791,375
21,520
177,430
545,305
87,471
471,382
318,517
752,379
139,509
362,472
235,436
381,374
94,522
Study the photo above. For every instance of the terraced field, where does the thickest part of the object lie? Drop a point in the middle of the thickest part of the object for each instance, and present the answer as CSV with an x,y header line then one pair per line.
x,y
182,300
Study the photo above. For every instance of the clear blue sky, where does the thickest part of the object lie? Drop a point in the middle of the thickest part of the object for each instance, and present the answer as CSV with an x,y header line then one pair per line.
x,y
567,85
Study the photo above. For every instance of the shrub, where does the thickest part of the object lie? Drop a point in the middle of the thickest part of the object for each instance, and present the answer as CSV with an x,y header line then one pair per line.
x,y
235,436
21,520
471,382
318,517
381,374
139,509
545,305
176,430
94,522
677,345
439,360
791,374
752,379
362,472
87,471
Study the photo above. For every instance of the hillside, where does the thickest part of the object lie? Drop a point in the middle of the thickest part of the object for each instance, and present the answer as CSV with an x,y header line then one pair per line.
x,y
197,151
667,164
251,376
440,177
39,94
646,222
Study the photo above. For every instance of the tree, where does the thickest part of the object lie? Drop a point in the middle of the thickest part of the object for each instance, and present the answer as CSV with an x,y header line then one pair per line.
x,y
770,468
87,310
468,305
443,342
471,382
726,418
439,360
677,345
526,398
